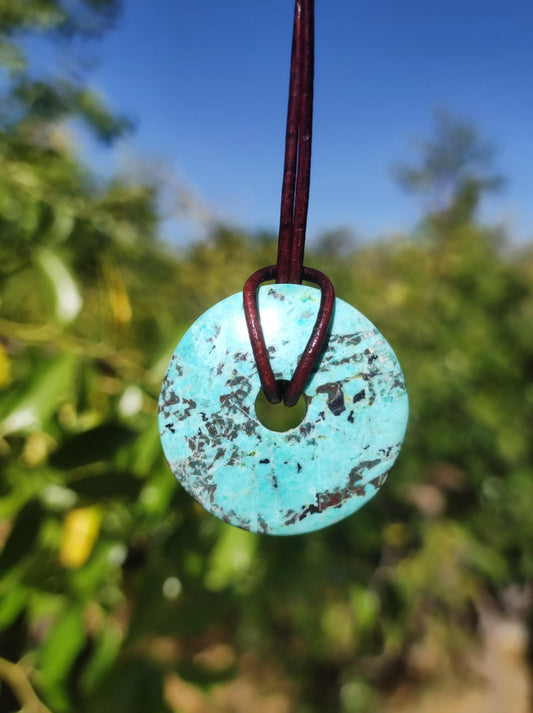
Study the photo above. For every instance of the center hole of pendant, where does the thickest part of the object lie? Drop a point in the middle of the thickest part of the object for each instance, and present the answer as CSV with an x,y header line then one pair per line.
x,y
278,417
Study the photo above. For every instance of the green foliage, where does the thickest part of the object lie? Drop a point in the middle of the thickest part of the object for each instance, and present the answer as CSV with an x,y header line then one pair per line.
x,y
117,592
335,611
33,102
61,16
40,102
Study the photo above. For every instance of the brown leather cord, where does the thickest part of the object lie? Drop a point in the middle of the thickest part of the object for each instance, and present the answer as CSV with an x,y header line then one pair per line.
x,y
293,220
305,132
272,388
291,154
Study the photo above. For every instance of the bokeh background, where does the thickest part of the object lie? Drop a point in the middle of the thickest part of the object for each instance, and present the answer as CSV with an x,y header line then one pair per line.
x,y
137,192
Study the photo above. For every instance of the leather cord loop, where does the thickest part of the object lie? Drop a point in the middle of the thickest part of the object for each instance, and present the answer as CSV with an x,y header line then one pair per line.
x,y
272,387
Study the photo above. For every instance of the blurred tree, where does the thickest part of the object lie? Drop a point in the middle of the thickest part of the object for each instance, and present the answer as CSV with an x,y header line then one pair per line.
x,y
62,229
32,102
61,16
74,308
335,243
454,173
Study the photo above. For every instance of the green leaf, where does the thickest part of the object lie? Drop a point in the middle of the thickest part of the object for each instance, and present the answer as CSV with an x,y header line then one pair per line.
x,y
11,604
232,559
365,605
62,645
30,408
63,223
88,580
11,57
22,538
146,451
106,650
107,126
67,297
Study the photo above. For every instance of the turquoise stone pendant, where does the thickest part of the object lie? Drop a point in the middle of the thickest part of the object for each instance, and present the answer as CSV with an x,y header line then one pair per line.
x,y
303,479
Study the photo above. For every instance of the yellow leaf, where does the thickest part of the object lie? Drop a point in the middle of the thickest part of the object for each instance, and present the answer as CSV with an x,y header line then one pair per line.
x,y
119,300
5,368
80,531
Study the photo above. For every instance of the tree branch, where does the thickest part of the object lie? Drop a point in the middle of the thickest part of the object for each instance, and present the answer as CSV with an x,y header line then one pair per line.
x,y
17,680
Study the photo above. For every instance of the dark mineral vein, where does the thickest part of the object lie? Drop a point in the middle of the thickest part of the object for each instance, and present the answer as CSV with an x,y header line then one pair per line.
x,y
336,498
335,396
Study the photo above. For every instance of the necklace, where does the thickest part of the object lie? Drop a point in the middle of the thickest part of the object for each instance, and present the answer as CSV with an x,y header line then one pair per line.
x,y
289,341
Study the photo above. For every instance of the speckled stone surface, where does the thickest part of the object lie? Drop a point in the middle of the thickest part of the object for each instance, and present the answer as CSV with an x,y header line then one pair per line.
x,y
306,478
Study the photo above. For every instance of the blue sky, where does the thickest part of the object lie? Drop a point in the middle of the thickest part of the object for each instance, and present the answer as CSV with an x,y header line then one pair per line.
x,y
207,85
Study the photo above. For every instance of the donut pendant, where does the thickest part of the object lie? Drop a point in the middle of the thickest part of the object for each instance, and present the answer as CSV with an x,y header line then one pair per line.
x,y
304,479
